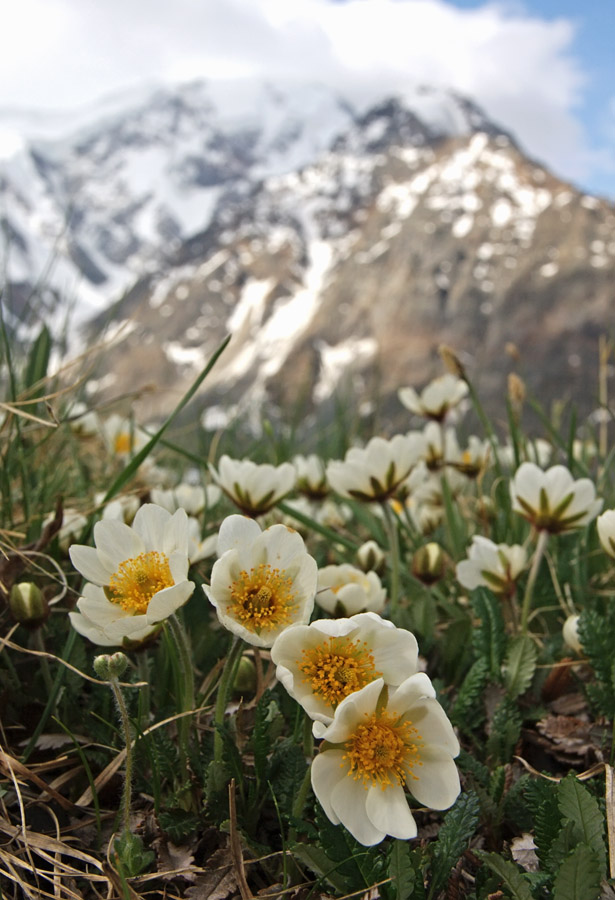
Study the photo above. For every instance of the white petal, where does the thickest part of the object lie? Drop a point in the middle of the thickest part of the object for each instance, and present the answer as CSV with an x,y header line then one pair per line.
x,y
149,523
434,726
388,811
351,711
437,779
348,800
88,561
327,769
88,629
164,603
236,532
117,541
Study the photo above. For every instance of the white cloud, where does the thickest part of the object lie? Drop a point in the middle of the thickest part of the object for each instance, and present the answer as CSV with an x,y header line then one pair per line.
x,y
58,53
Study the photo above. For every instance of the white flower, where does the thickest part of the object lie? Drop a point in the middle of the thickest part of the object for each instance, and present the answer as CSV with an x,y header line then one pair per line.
x,y
138,576
194,498
370,557
375,748
475,458
122,437
322,663
263,582
254,488
73,523
199,547
376,471
435,400
605,524
345,590
311,477
123,507
538,451
82,420
553,501
496,566
441,446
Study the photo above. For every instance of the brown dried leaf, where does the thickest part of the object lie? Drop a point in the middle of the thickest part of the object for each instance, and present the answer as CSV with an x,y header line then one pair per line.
x,y
174,861
523,851
218,882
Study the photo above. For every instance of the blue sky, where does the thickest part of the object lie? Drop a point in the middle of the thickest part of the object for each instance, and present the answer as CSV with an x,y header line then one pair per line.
x,y
544,69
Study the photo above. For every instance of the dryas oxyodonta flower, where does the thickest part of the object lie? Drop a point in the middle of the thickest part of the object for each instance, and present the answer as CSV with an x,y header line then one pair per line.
x,y
263,581
377,470
322,663
344,590
255,488
435,400
552,500
495,566
605,524
138,576
383,741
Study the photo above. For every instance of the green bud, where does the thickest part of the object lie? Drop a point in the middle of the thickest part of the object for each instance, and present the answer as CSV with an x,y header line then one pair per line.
x,y
429,563
110,666
245,679
28,605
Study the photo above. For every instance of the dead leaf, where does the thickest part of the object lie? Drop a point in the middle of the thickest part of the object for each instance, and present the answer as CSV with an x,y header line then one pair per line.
x,y
218,882
523,851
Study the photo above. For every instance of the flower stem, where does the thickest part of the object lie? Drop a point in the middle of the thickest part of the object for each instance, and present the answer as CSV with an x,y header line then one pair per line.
x,y
393,535
226,680
127,792
543,537
187,682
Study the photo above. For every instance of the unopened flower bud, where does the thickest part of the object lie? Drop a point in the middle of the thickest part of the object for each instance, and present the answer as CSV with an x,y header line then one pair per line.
x,y
370,557
245,679
451,361
429,563
570,633
28,605
110,666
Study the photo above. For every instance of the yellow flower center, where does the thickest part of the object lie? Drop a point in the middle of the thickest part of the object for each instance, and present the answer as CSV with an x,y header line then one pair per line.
x,y
262,598
138,579
337,667
122,443
384,751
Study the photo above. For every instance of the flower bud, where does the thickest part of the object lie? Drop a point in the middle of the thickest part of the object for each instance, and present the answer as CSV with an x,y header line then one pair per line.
x,y
110,666
429,563
245,679
570,633
370,557
28,605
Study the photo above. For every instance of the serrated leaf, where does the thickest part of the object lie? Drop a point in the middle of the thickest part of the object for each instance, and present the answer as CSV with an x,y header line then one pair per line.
x,y
508,873
458,827
318,861
132,857
468,698
578,877
490,636
505,731
578,806
520,665
401,871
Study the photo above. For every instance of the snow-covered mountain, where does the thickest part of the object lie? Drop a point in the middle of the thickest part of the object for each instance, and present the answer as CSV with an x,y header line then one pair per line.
x,y
331,242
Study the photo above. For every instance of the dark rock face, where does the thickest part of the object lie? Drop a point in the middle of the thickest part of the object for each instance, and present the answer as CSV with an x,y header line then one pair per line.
x,y
407,230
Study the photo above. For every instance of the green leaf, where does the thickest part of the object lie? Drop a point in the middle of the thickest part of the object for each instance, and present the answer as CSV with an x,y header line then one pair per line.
x,y
401,871
505,731
318,861
177,823
467,712
490,635
286,772
459,826
578,877
581,808
132,858
508,873
520,665
38,361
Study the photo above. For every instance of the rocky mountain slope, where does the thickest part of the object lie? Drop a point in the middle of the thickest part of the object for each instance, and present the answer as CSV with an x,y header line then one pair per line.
x,y
337,248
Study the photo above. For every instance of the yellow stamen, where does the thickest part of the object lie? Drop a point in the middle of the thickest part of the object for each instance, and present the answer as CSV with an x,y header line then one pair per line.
x,y
384,751
122,443
337,667
262,598
138,579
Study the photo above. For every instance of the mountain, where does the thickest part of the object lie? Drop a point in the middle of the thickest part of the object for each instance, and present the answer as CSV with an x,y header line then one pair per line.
x,y
336,245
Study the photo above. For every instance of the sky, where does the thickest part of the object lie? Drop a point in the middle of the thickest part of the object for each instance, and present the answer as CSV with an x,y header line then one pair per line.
x,y
544,69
